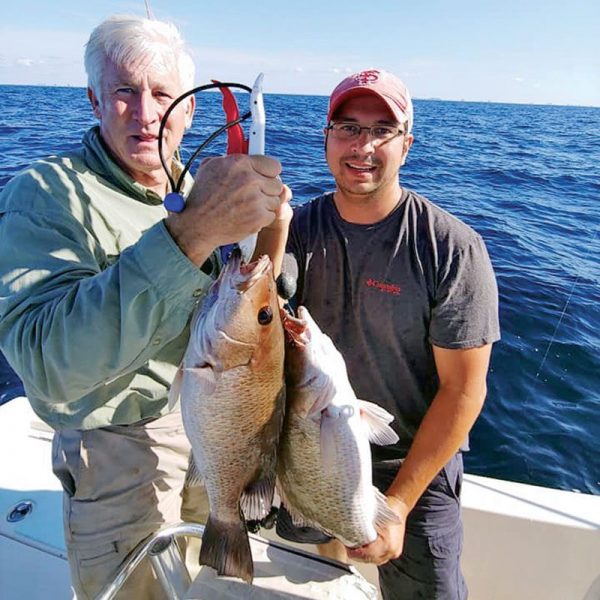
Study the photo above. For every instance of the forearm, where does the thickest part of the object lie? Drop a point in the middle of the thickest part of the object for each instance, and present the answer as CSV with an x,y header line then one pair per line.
x,y
272,243
272,239
440,435
196,247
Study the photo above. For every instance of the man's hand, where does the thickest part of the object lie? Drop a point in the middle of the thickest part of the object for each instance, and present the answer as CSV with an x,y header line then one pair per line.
x,y
284,212
233,196
271,239
390,539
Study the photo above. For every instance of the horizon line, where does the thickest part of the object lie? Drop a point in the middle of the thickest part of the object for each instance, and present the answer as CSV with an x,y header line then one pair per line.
x,y
418,99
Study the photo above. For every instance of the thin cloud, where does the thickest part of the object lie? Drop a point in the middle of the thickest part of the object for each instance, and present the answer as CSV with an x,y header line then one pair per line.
x,y
26,62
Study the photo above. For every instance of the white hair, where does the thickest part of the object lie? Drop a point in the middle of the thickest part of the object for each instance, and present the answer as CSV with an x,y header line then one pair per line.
x,y
123,39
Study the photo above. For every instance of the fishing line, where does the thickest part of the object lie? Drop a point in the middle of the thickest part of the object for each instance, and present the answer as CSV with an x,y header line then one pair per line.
x,y
564,310
176,185
149,14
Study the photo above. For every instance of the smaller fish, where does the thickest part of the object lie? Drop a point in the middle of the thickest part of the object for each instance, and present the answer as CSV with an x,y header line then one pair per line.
x,y
324,462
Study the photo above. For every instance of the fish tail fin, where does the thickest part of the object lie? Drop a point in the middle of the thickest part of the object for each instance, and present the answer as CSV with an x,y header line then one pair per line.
x,y
257,499
384,514
226,548
376,420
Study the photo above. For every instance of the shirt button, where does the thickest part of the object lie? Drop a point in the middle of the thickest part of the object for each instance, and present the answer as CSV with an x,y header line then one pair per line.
x,y
156,341
197,293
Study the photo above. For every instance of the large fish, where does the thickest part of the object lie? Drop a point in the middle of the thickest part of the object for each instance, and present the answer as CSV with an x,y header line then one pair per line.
x,y
324,463
232,402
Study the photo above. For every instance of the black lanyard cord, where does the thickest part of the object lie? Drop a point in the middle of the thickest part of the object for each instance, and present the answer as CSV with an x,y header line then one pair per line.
x,y
176,186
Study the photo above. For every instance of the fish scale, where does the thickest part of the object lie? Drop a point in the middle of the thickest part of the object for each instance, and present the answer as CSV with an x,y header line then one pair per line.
x,y
326,497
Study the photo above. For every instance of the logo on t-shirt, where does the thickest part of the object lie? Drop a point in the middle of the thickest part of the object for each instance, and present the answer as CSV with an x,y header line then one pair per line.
x,y
387,288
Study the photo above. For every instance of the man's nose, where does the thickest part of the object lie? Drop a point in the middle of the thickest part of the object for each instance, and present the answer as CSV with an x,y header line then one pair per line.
x,y
364,141
147,108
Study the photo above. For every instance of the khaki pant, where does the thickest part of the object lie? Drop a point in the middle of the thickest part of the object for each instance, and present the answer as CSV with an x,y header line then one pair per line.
x,y
121,484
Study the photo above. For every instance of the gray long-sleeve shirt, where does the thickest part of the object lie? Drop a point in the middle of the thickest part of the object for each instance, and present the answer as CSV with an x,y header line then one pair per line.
x,y
95,296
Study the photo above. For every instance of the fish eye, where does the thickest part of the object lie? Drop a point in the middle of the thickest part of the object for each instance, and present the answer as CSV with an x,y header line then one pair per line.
x,y
265,315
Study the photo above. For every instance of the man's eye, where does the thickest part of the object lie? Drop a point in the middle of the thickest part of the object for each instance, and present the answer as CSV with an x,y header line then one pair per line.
x,y
124,90
382,131
348,128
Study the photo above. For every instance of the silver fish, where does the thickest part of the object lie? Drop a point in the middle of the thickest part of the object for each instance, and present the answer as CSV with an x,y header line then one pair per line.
x,y
232,402
324,461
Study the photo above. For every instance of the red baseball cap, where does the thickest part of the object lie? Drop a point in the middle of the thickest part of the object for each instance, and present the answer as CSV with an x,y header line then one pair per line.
x,y
380,83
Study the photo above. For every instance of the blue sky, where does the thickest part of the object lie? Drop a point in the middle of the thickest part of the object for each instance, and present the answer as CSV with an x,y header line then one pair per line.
x,y
530,51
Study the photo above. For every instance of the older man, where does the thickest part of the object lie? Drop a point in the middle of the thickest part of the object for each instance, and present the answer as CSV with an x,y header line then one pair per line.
x,y
97,285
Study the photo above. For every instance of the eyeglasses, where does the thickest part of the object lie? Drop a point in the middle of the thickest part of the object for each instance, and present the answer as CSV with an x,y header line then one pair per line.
x,y
351,131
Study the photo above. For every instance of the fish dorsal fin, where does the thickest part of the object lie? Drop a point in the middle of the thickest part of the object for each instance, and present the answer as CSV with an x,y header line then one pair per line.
x,y
384,514
175,388
297,518
193,478
376,420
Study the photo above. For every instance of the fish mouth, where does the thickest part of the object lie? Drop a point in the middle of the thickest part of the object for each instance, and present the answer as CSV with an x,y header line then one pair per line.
x,y
244,276
296,329
237,275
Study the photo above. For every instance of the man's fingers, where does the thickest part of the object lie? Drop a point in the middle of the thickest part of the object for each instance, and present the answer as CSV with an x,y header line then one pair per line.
x,y
271,187
265,165
271,207
286,194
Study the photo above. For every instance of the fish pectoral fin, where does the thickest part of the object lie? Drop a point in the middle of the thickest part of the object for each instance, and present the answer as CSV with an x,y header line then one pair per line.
x,y
327,442
193,477
384,514
204,377
376,420
175,388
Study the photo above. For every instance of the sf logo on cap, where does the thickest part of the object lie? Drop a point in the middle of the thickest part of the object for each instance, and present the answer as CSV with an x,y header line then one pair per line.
x,y
366,77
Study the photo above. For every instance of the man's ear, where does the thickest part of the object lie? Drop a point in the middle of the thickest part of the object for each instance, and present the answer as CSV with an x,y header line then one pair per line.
x,y
408,142
94,102
189,111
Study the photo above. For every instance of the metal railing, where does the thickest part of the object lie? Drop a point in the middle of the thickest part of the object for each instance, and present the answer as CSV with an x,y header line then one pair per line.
x,y
165,556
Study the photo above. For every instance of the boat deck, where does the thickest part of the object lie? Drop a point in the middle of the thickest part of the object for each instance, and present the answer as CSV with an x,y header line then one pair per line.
x,y
522,542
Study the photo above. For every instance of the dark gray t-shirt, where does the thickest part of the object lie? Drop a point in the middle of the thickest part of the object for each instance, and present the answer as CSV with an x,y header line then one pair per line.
x,y
386,292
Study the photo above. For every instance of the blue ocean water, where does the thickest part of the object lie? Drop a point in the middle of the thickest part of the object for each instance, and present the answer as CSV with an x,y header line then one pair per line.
x,y
525,177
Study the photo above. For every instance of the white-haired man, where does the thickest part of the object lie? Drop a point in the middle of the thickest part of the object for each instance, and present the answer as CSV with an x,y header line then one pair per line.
x,y
98,283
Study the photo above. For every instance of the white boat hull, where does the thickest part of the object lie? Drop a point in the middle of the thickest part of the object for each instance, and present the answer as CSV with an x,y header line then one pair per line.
x,y
522,542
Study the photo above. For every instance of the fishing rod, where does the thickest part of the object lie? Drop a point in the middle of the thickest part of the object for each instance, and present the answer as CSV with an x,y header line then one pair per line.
x,y
149,14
